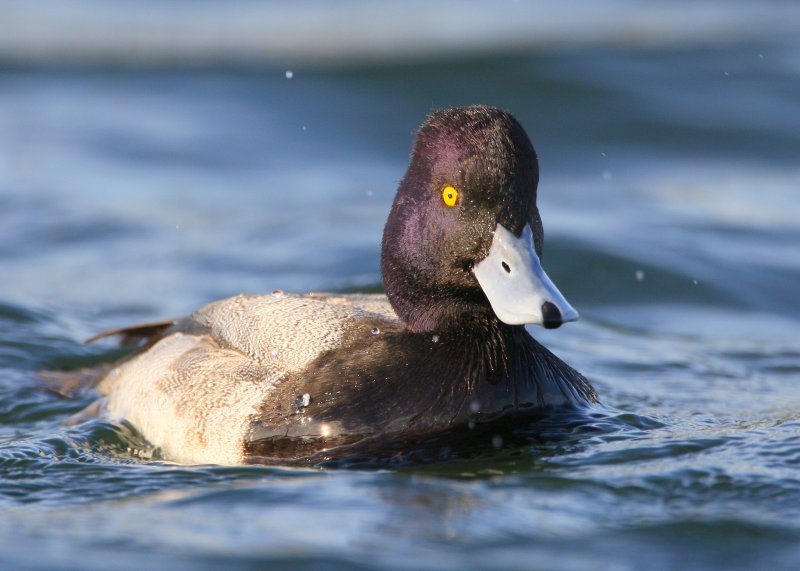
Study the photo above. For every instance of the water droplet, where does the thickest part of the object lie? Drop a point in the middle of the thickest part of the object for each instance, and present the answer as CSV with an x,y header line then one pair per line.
x,y
375,331
639,275
497,441
607,176
304,128
602,154
471,425
274,353
301,401
435,339
694,282
289,74
727,74
474,406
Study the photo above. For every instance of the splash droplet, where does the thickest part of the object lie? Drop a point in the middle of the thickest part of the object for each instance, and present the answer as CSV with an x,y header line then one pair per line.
x,y
435,339
497,441
375,331
475,406
639,275
289,74
301,401
274,353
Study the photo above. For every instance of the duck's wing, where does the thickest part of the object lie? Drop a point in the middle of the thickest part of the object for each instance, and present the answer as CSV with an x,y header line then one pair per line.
x,y
287,329
69,384
134,335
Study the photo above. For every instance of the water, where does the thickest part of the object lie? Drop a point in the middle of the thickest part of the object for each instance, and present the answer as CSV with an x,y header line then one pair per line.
x,y
148,171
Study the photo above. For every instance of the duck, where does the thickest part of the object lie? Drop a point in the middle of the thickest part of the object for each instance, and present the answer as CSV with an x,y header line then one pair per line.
x,y
283,377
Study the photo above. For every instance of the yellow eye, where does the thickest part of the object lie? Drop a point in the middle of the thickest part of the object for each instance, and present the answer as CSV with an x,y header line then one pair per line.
x,y
449,195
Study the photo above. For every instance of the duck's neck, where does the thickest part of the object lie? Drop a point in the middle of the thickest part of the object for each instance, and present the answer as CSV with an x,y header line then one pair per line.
x,y
433,315
486,345
502,361
426,309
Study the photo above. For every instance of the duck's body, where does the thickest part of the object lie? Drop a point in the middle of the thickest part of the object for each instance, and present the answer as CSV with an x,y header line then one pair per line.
x,y
284,377
268,377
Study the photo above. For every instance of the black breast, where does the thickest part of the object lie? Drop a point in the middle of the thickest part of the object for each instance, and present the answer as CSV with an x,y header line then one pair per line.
x,y
386,383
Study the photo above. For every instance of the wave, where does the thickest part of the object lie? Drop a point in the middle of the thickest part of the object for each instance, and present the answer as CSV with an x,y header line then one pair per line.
x,y
318,33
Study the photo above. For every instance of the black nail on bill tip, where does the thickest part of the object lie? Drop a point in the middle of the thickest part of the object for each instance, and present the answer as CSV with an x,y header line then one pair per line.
x,y
551,316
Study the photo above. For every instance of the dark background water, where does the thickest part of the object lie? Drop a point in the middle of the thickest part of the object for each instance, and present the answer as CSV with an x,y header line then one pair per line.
x,y
155,158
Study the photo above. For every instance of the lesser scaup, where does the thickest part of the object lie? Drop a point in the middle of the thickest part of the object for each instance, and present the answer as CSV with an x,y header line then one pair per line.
x,y
260,378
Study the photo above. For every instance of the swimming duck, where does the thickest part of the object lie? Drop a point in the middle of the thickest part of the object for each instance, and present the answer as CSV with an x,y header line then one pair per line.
x,y
277,377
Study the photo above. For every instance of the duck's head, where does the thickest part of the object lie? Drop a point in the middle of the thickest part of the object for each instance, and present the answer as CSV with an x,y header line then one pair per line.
x,y
464,236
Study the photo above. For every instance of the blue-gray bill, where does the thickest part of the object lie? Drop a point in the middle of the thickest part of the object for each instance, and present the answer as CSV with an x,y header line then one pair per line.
x,y
516,285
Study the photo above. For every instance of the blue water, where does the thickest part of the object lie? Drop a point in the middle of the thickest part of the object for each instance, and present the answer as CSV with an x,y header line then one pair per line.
x,y
148,171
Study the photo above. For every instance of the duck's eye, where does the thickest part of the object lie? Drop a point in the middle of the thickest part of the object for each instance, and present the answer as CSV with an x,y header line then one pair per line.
x,y
449,195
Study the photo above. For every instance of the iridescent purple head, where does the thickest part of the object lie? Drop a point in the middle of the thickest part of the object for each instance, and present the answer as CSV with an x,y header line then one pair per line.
x,y
464,237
